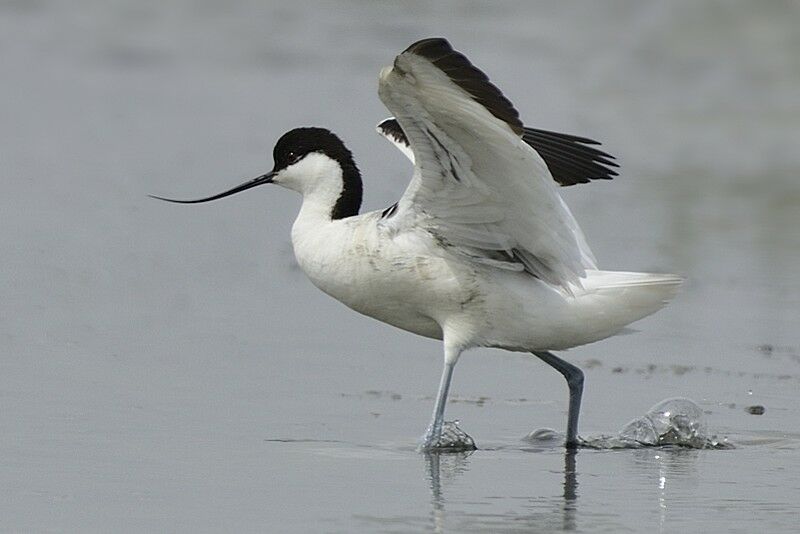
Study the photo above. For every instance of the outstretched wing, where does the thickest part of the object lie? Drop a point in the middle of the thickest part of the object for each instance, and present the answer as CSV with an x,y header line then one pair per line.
x,y
570,159
477,185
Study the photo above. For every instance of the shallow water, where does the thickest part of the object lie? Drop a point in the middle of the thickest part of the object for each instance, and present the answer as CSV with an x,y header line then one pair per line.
x,y
169,368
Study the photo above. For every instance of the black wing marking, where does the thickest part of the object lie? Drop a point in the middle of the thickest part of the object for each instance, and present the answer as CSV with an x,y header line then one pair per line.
x,y
388,212
467,76
391,128
571,159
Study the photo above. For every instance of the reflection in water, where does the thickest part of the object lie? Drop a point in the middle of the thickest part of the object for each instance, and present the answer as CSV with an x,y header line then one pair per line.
x,y
455,463
446,466
570,489
665,466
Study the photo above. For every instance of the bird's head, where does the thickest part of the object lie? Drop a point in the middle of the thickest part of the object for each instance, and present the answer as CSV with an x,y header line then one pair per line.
x,y
315,163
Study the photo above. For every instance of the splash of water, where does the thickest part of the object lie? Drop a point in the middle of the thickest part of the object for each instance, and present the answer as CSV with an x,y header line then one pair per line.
x,y
675,422
672,422
453,439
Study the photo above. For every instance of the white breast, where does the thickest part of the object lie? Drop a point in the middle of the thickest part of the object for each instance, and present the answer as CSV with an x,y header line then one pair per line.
x,y
398,279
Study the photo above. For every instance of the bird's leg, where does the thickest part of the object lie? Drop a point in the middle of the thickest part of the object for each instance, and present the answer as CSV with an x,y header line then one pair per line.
x,y
434,432
432,436
574,377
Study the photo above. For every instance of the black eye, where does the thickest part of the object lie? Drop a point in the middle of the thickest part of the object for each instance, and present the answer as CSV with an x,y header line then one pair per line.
x,y
291,157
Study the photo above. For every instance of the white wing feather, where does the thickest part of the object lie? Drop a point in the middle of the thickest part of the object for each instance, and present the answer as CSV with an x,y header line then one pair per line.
x,y
477,185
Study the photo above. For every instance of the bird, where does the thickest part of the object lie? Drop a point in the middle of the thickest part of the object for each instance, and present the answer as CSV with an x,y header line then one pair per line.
x,y
480,250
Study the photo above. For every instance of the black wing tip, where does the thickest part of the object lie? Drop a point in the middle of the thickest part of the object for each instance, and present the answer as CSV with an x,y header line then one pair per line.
x,y
571,159
468,77
430,47
391,128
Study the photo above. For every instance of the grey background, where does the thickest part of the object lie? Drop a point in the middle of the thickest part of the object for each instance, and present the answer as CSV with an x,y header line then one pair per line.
x,y
169,368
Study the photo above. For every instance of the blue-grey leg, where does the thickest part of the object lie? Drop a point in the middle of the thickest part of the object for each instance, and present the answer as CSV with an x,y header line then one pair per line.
x,y
574,377
432,438
434,432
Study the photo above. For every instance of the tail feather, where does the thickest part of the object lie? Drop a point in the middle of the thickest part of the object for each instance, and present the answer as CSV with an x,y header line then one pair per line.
x,y
614,279
614,299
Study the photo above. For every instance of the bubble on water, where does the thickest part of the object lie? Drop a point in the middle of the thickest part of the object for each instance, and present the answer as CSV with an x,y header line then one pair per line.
x,y
672,422
675,421
543,435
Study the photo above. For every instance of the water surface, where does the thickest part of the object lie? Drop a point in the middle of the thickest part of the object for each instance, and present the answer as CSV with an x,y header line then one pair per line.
x,y
169,368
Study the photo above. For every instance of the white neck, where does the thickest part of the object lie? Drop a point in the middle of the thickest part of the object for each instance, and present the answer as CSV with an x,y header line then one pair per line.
x,y
319,179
